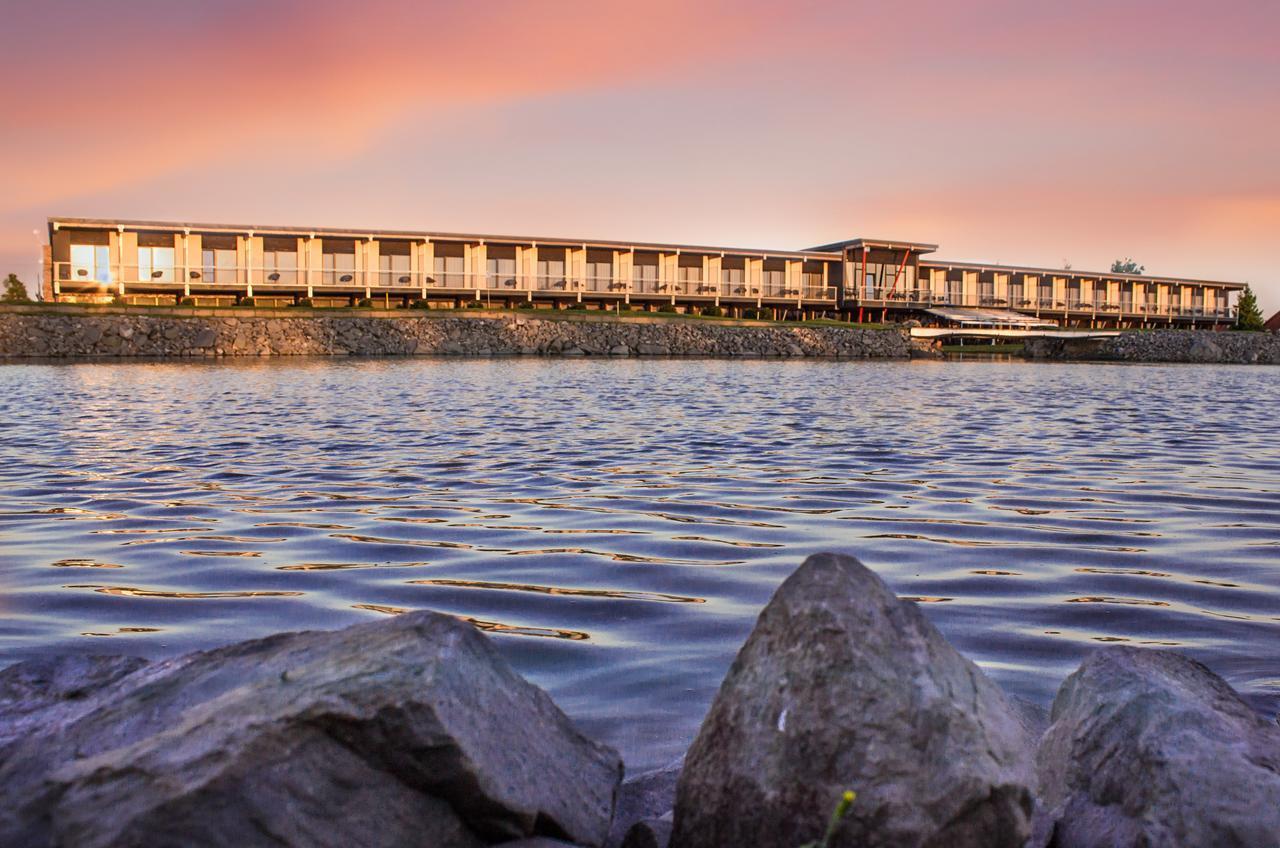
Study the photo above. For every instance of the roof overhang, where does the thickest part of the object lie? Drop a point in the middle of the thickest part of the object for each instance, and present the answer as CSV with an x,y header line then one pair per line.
x,y
887,244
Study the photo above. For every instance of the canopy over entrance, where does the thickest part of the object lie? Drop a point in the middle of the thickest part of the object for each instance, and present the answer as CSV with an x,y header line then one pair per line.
x,y
990,318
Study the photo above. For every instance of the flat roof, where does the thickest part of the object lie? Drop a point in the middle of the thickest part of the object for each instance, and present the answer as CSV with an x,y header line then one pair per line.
x,y
264,229
892,244
1064,272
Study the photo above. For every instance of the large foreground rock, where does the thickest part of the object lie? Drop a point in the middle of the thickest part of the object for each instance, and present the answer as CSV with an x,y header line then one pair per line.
x,y
1151,748
843,686
408,731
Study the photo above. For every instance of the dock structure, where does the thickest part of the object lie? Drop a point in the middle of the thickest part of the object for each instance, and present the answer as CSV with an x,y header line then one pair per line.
x,y
154,262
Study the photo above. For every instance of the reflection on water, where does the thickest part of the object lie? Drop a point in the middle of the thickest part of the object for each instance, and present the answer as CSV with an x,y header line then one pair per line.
x,y
617,525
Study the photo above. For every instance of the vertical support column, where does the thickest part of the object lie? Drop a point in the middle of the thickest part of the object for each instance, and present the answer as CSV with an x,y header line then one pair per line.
x,y
428,264
373,272
315,261
631,272
480,266
579,273
826,278
531,281
128,246
714,274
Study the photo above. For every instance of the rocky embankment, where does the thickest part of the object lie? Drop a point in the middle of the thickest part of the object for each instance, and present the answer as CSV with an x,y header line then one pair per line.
x,y
414,731
1202,346
88,334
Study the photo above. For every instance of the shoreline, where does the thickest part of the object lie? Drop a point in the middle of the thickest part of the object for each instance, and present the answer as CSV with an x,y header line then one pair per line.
x,y
43,332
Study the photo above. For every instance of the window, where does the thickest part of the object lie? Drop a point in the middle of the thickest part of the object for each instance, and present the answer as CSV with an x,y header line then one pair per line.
x,y
91,262
1016,297
732,281
393,270
1126,297
1044,291
644,277
500,272
1100,295
955,291
600,275
812,281
449,271
1175,298
986,290
773,282
339,269
280,266
219,266
1073,294
155,264
690,278
1197,298
1151,298
551,274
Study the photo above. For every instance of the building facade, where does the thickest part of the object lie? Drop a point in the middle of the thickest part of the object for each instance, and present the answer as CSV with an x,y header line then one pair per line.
x,y
95,260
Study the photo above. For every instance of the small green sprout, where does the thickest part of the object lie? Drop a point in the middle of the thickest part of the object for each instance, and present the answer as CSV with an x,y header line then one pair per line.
x,y
837,816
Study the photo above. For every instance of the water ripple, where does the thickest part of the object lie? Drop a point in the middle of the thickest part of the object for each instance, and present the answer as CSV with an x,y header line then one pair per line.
x,y
617,525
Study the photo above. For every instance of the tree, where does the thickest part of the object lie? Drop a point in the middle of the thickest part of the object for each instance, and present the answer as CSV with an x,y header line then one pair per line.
x,y
1248,314
1127,266
14,291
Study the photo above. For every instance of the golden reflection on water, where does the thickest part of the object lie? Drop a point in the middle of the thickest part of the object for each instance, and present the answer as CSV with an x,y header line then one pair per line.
x,y
123,630
339,566
133,592
490,626
1105,599
84,563
559,590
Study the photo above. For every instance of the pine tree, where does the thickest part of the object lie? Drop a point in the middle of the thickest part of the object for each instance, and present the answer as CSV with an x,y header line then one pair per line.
x,y
1248,314
14,291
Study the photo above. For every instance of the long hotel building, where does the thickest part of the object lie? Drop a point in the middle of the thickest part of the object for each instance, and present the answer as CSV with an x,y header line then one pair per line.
x,y
153,262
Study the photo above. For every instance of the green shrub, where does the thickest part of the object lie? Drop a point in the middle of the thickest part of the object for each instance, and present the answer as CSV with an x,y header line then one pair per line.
x,y
526,304
577,307
419,304
364,303
667,307
246,301
186,301
752,314
475,304
712,311
303,302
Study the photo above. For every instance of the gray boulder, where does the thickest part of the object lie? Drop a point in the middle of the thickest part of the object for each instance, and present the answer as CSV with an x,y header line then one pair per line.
x,y
840,686
411,730
1151,748
37,693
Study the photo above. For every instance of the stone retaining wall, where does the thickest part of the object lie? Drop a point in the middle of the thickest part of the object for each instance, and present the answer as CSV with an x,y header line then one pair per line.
x,y
1164,346
33,333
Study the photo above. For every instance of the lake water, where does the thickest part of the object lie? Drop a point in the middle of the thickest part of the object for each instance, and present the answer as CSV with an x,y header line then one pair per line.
x,y
617,525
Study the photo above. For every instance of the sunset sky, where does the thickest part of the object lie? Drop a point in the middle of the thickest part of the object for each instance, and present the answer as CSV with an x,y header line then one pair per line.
x,y
1017,132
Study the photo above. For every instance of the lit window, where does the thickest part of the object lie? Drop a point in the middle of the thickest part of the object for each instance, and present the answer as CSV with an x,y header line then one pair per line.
x,y
155,264
280,266
393,269
501,272
219,266
339,268
91,262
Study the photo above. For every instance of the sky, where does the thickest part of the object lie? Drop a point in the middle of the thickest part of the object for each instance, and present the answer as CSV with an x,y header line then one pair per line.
x,y
1019,131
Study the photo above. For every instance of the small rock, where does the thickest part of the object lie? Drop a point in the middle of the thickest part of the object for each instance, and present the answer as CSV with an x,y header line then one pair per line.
x,y
648,833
